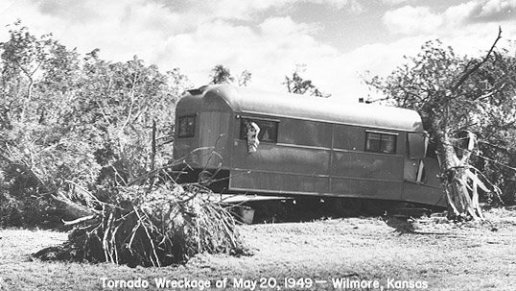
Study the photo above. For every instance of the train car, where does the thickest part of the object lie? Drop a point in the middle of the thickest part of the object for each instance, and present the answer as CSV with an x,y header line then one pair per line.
x,y
239,140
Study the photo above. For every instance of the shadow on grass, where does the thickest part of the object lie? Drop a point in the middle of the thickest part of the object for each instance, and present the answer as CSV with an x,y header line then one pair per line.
x,y
401,225
407,225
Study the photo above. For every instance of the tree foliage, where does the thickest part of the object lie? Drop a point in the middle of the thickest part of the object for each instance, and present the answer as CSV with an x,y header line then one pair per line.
x,y
298,85
222,75
456,94
69,123
83,139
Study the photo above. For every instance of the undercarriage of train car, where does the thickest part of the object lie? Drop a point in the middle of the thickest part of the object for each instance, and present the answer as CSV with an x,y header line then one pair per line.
x,y
259,207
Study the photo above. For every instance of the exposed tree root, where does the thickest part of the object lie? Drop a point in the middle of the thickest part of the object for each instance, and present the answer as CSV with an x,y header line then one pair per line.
x,y
166,225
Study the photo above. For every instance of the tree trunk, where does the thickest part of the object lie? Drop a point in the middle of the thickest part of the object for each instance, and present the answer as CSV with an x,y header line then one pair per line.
x,y
26,100
68,208
462,198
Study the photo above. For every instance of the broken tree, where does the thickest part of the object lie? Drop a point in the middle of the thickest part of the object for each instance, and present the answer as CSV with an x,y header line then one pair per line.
x,y
453,94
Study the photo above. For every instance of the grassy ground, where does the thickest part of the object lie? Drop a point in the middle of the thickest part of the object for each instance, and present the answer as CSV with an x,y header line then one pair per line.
x,y
432,253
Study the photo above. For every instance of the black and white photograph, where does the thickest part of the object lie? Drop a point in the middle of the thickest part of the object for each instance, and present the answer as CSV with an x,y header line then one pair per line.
x,y
365,145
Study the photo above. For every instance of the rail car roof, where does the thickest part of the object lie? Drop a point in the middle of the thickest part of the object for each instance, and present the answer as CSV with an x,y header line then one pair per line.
x,y
269,104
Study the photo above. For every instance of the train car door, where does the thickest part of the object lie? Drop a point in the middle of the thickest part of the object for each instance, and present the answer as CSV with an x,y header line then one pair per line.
x,y
213,139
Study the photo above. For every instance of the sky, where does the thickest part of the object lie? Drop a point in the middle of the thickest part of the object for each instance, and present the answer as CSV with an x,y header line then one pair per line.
x,y
335,43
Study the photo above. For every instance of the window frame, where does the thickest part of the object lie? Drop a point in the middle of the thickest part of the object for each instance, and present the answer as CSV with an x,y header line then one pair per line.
x,y
189,133
242,135
383,138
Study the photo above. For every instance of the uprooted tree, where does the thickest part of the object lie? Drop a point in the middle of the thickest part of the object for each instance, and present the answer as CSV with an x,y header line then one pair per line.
x,y
455,96
150,225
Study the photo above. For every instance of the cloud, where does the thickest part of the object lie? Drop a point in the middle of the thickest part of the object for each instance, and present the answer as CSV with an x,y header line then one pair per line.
x,y
412,20
246,10
281,26
394,2
120,29
270,51
69,9
188,37
354,6
483,11
253,35
498,9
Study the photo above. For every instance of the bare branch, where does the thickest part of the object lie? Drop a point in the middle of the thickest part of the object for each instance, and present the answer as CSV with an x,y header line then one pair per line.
x,y
466,75
79,220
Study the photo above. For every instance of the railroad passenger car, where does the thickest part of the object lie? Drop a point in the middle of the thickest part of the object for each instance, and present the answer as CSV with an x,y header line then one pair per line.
x,y
307,146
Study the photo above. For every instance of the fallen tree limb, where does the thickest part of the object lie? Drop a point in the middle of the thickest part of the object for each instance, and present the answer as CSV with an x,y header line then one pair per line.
x,y
166,225
69,207
79,220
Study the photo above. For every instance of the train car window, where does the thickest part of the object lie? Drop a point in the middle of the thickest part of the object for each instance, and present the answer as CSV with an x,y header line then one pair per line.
x,y
268,129
388,144
380,143
304,132
186,126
